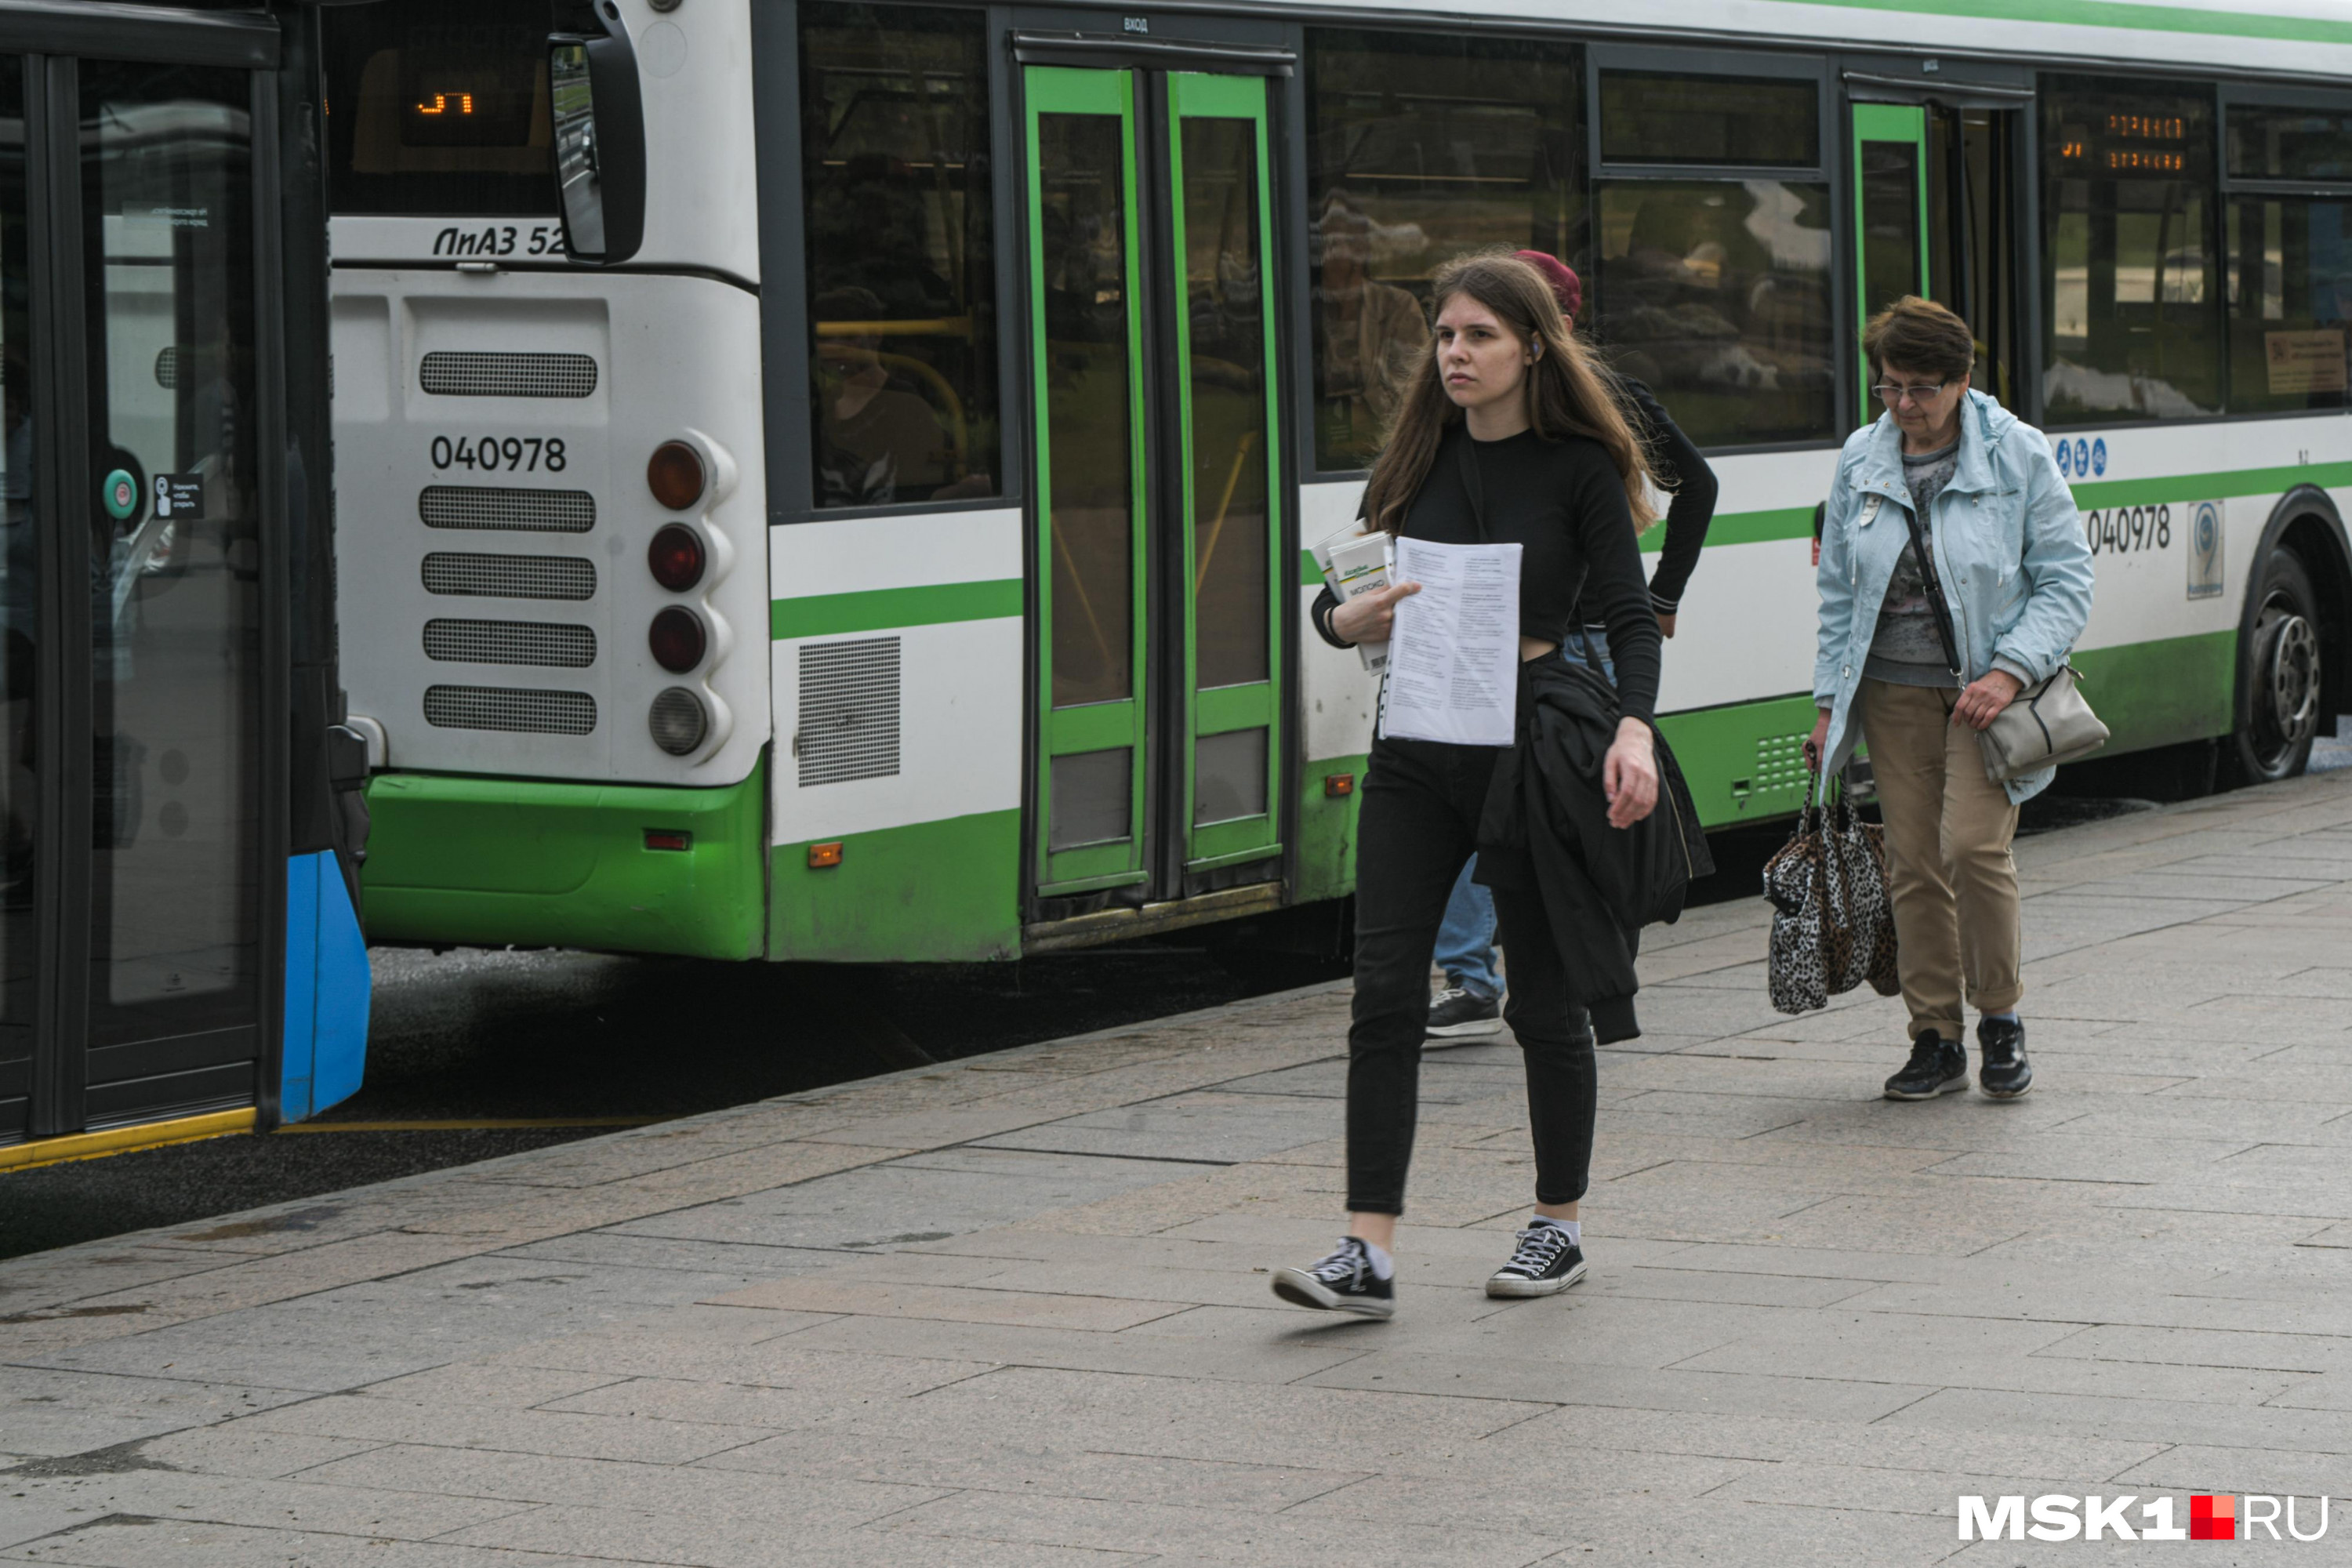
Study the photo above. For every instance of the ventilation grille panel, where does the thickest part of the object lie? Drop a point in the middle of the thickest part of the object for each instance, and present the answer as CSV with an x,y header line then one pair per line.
x,y
849,711
502,707
511,642
467,374
504,509
510,577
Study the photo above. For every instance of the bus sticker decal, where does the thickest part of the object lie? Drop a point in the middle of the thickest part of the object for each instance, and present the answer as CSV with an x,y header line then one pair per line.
x,y
2205,550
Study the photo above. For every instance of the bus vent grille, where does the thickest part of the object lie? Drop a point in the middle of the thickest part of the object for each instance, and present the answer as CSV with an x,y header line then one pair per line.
x,y
468,374
511,642
507,510
497,708
849,711
167,367
510,577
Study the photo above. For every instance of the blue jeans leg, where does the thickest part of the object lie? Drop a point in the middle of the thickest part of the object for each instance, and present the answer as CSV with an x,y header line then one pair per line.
x,y
1466,941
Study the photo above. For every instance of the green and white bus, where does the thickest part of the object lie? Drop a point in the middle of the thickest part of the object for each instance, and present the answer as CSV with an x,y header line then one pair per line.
x,y
829,481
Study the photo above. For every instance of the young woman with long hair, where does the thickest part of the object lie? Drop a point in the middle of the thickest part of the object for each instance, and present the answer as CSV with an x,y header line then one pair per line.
x,y
1504,387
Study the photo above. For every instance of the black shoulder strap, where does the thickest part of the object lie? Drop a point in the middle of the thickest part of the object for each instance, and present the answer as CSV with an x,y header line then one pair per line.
x,y
1935,586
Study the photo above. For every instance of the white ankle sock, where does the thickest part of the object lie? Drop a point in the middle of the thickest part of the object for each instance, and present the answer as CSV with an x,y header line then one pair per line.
x,y
1575,1228
1383,1266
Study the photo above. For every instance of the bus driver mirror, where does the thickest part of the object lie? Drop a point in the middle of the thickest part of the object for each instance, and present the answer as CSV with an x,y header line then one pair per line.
x,y
600,153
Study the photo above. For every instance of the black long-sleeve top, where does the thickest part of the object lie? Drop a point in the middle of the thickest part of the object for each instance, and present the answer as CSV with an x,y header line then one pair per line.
x,y
1681,471
1563,502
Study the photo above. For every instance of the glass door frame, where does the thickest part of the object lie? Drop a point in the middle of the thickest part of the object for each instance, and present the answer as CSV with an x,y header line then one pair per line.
x,y
54,45
1166,712
1107,725
1900,124
1222,710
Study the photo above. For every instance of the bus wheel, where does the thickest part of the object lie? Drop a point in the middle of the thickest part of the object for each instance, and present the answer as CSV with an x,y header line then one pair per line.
x,y
2281,672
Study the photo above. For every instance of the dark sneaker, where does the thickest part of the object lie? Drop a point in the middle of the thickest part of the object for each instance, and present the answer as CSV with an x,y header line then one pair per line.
x,y
2004,1072
1458,1015
1938,1066
1546,1261
1342,1282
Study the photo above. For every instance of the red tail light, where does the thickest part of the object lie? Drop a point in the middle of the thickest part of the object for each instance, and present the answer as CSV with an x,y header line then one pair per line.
x,y
675,557
678,640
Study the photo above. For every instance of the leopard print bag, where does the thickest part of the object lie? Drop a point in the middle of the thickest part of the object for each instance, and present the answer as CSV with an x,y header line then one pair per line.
x,y
1832,922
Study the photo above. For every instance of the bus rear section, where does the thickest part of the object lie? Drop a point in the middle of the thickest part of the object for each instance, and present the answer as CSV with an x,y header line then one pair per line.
x,y
553,595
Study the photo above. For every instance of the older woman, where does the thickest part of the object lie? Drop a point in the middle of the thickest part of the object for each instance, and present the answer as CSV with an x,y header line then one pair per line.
x,y
2008,547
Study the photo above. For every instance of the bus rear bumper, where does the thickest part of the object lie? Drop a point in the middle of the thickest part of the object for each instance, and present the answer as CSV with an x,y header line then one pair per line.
x,y
467,860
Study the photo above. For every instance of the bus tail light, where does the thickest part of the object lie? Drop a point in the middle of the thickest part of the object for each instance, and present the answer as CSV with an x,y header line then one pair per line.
x,y
676,557
667,838
678,722
678,640
676,475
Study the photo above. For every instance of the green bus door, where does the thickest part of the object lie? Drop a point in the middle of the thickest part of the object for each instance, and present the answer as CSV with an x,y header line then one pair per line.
x,y
1159,545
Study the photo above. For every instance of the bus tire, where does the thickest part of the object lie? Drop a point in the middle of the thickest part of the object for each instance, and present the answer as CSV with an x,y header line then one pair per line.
x,y
2278,670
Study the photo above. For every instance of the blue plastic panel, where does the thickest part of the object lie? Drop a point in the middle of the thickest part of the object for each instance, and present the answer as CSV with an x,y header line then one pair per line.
x,y
326,990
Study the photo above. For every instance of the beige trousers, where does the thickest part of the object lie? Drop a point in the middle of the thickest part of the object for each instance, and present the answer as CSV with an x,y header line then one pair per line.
x,y
1948,835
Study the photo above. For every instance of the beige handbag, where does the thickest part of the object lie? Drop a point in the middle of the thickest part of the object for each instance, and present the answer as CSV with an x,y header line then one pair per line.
x,y
2045,725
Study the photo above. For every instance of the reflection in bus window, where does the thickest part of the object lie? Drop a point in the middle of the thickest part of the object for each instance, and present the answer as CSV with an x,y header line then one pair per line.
x,y
1717,293
2131,324
901,280
174,573
1420,148
2290,298
1652,117
440,107
2267,143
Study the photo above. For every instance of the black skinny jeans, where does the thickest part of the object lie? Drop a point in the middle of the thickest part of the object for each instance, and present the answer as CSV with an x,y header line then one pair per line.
x,y
1419,822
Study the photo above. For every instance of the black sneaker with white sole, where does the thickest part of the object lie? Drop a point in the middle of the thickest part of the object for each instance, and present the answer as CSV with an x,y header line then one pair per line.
x,y
1545,1261
1458,1015
1938,1066
1342,1282
2003,1072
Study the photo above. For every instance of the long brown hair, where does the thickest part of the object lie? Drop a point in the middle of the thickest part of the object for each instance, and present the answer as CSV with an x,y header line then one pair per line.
x,y
1567,393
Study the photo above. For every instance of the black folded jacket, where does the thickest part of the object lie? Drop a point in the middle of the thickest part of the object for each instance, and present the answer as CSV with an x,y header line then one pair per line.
x,y
1546,827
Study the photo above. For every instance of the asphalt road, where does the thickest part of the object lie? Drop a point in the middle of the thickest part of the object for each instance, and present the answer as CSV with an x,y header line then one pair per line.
x,y
476,1054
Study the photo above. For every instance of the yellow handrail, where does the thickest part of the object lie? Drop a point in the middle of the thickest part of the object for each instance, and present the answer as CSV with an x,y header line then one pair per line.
x,y
943,327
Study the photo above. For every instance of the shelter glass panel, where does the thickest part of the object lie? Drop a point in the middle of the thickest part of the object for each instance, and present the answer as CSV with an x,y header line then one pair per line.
x,y
175,562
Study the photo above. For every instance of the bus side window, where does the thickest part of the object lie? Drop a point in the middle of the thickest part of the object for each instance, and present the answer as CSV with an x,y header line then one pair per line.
x,y
901,266
2132,322
2290,269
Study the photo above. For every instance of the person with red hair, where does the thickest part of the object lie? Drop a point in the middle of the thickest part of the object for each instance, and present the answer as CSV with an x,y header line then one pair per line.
x,y
1470,1006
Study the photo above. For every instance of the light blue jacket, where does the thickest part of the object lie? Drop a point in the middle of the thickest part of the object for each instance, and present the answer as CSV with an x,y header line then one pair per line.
x,y
2007,544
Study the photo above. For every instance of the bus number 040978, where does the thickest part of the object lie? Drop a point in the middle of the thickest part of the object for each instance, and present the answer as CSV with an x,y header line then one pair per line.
x,y
514,455
2117,529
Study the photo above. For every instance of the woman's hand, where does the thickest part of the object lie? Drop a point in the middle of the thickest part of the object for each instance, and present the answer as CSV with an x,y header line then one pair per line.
x,y
1629,775
1666,622
1981,703
1814,743
1370,618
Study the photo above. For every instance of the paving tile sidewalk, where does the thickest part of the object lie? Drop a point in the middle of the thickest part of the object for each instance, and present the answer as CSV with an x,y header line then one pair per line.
x,y
1013,1309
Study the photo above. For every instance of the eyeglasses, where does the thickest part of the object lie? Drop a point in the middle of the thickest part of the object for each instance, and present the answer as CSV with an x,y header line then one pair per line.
x,y
1891,396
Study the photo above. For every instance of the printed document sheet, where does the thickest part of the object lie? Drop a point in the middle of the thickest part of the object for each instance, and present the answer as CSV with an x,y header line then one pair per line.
x,y
1454,655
